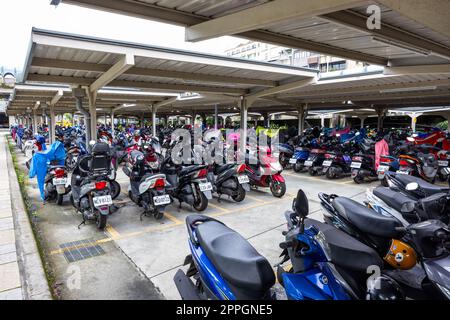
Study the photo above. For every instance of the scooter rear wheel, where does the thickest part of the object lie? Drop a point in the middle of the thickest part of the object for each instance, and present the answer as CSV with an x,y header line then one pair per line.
x,y
115,189
59,199
202,202
298,167
240,196
101,221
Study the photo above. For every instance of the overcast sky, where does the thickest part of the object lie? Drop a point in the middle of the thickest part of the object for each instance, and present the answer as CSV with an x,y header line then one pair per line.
x,y
19,16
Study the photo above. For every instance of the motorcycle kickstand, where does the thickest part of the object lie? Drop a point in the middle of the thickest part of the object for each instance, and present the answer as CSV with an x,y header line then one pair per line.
x,y
218,199
82,223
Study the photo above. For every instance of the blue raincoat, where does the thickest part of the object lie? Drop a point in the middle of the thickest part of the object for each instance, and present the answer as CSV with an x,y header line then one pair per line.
x,y
40,161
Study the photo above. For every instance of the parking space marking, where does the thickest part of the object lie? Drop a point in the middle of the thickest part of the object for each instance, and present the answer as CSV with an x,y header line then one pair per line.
x,y
112,232
254,198
319,180
217,207
172,217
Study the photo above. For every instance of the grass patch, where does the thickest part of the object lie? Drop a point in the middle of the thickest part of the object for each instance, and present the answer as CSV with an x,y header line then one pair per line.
x,y
31,212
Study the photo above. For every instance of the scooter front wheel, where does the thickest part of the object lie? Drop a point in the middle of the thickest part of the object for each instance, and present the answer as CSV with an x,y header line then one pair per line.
x,y
278,188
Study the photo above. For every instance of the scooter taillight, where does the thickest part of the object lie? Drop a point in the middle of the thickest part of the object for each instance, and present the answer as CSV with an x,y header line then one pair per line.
x,y
202,173
403,163
59,173
160,184
329,156
100,185
386,160
357,159
241,168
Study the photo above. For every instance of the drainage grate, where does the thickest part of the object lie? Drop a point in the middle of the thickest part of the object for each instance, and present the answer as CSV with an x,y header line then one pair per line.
x,y
80,250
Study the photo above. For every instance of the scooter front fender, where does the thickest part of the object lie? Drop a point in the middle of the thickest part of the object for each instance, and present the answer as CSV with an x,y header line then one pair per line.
x,y
278,177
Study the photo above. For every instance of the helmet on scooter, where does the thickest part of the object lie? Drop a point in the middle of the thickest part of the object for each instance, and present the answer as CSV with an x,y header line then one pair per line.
x,y
401,256
384,288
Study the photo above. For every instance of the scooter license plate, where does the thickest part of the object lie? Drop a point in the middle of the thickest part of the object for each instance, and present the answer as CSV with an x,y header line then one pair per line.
x,y
443,163
243,179
356,165
402,172
308,163
292,161
205,186
59,181
382,169
102,201
327,163
161,200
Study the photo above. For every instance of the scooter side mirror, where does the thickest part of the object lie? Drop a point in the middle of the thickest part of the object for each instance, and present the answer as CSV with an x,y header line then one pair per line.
x,y
300,204
127,171
408,207
413,186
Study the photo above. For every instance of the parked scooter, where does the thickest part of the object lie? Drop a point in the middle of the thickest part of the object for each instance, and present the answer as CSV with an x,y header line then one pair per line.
x,y
229,179
314,163
146,188
91,191
223,265
56,184
363,163
265,172
425,244
387,164
187,184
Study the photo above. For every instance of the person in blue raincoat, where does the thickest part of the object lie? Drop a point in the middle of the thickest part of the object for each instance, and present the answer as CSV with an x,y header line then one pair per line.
x,y
56,155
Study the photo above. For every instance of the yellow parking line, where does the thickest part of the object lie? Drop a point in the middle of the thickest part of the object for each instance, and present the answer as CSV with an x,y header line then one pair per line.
x,y
254,198
171,217
112,232
217,207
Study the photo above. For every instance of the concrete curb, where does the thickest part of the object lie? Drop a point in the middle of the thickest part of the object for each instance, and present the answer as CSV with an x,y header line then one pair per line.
x,y
33,278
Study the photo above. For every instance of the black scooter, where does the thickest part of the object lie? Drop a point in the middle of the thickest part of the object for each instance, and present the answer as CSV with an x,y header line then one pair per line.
x,y
187,184
146,188
91,191
229,179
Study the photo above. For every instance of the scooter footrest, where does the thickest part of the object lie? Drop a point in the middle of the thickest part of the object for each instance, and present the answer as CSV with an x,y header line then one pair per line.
x,y
186,288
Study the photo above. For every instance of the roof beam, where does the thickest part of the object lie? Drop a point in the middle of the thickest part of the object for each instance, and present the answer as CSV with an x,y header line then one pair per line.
x,y
56,97
125,63
432,14
154,12
390,33
282,88
420,69
135,84
265,15
86,66
165,102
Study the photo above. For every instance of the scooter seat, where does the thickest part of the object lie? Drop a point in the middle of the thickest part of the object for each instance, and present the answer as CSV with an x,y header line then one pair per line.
x,y
218,169
248,274
367,220
346,251
426,187
189,169
394,199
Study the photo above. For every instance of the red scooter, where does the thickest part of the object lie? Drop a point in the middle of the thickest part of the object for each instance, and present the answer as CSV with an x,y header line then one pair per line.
x,y
265,172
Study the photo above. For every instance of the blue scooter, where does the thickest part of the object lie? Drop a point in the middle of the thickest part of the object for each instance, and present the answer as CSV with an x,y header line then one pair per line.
x,y
326,263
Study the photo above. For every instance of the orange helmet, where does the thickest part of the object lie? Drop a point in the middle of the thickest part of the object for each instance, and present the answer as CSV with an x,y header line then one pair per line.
x,y
401,256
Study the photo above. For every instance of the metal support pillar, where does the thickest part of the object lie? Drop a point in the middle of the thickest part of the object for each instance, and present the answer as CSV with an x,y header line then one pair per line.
x,y
52,123
302,110
216,116
154,109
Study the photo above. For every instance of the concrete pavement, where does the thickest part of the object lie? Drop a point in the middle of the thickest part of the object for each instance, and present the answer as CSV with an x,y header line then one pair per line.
x,y
143,256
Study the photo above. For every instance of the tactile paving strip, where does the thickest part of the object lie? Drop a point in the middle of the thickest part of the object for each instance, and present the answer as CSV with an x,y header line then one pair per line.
x,y
80,250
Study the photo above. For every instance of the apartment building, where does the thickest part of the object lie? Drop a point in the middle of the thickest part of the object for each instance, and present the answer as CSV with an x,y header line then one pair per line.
x,y
295,57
